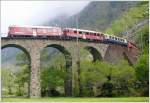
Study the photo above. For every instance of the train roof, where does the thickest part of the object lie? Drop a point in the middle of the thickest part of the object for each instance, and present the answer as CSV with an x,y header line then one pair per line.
x,y
84,30
33,26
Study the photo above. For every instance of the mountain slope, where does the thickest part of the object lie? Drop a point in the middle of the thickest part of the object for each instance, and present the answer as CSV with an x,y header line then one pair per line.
x,y
97,15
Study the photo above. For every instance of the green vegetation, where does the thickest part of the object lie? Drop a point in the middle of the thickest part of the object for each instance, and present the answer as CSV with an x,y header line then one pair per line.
x,y
51,78
7,81
77,99
129,19
107,80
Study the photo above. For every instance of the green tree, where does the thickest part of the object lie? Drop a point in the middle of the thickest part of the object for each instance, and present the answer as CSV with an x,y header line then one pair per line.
x,y
142,38
128,19
7,81
23,75
142,74
105,79
92,74
51,78
22,78
123,79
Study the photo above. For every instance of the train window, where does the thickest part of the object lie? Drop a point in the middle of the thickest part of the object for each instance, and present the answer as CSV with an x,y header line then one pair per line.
x,y
75,31
94,34
87,33
80,32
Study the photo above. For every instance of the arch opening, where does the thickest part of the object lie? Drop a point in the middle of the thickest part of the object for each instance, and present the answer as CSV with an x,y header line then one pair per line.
x,y
94,52
59,58
16,65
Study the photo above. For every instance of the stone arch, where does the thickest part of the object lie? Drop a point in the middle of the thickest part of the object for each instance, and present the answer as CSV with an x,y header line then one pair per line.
x,y
95,53
68,58
27,54
19,47
113,54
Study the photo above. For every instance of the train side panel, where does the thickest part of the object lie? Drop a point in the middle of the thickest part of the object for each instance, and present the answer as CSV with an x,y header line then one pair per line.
x,y
68,32
49,31
20,31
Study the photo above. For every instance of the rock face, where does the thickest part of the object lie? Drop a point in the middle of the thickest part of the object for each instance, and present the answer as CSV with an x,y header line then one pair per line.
x,y
99,51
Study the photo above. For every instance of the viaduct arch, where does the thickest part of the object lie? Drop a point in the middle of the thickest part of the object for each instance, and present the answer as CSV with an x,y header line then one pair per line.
x,y
110,53
95,53
68,58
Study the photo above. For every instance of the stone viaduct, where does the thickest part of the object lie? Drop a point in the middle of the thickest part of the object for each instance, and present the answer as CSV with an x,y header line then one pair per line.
x,y
33,47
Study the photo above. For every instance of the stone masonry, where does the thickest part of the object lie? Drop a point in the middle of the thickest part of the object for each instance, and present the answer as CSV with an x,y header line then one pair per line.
x,y
99,51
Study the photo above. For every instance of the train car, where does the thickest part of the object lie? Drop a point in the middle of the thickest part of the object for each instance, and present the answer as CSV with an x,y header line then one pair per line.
x,y
46,31
83,34
34,31
115,40
131,45
93,35
18,31
71,33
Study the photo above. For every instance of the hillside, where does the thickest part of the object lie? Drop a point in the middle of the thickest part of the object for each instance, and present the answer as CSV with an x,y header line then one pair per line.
x,y
97,15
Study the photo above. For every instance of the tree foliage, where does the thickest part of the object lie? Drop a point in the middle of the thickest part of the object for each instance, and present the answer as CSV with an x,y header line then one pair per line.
x,y
129,19
22,78
52,77
110,79
142,38
7,81
142,74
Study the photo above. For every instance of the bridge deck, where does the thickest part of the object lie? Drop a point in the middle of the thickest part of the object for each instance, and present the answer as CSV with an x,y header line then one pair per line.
x,y
56,38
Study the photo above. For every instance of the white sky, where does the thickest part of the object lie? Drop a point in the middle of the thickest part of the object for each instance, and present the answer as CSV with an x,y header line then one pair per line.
x,y
35,12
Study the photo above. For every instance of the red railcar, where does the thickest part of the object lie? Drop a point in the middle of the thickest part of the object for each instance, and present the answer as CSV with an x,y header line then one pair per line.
x,y
20,31
71,32
83,34
42,31
49,31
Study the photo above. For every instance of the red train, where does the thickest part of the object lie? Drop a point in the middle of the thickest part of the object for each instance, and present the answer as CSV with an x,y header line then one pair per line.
x,y
67,33
31,31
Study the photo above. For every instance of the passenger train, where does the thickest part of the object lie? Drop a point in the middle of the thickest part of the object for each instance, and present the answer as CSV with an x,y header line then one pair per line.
x,y
66,33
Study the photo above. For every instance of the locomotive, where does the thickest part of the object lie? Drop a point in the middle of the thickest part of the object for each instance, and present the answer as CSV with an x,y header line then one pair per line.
x,y
66,33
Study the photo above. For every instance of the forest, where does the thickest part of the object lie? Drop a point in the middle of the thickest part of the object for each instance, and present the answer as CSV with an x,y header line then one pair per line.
x,y
99,78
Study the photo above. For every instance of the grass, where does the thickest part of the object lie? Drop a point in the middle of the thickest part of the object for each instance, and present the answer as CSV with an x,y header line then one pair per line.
x,y
77,99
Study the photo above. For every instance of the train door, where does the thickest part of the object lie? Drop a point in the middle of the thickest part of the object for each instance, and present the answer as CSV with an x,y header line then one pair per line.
x,y
34,32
